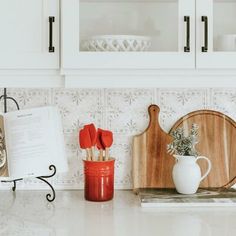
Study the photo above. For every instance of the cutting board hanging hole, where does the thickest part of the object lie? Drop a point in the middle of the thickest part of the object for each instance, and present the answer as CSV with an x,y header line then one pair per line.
x,y
154,111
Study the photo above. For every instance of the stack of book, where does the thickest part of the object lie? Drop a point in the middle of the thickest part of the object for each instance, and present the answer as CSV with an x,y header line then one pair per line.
x,y
204,197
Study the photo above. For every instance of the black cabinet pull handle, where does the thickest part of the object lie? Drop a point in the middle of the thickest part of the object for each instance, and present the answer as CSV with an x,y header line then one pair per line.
x,y
187,20
205,20
51,20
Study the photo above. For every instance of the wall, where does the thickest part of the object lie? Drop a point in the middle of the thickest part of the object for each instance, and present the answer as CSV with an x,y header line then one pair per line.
x,y
124,111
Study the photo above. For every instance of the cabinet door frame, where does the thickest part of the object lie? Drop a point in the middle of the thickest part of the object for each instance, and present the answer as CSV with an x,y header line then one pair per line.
x,y
210,59
42,59
72,58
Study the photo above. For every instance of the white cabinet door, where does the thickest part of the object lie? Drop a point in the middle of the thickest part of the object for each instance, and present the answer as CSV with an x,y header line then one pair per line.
x,y
216,34
29,34
170,24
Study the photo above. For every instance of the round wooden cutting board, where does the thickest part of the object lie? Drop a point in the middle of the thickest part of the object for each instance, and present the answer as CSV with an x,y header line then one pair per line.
x,y
217,141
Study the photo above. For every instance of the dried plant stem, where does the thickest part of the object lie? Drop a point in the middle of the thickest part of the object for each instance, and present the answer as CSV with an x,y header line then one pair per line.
x,y
182,144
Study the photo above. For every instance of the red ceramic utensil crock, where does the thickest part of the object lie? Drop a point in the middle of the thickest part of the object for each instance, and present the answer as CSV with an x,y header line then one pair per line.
x,y
99,180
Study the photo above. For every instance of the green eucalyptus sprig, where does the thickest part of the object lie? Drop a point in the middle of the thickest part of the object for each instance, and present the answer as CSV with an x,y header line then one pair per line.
x,y
184,145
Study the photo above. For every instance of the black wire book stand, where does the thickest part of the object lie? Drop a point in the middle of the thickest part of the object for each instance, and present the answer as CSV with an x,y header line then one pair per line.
x,y
50,196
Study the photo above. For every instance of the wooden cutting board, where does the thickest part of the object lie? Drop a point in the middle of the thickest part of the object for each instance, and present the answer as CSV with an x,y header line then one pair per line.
x,y
217,141
152,166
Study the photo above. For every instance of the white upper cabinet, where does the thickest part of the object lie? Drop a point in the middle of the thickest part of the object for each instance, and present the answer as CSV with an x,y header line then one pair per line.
x,y
99,35
96,33
29,36
216,34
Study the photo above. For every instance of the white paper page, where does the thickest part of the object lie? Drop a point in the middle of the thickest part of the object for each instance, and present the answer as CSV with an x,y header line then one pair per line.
x,y
30,141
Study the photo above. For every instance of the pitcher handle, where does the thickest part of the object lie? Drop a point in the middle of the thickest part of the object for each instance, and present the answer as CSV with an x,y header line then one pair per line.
x,y
209,166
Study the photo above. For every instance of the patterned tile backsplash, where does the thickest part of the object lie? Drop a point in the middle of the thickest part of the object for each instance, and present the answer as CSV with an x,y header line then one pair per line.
x,y
124,111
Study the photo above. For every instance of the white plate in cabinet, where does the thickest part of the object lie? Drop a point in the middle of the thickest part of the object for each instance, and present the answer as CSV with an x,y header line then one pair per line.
x,y
169,23
216,34
29,34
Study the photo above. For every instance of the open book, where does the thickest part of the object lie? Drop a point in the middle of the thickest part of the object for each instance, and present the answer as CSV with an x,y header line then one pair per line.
x,y
30,141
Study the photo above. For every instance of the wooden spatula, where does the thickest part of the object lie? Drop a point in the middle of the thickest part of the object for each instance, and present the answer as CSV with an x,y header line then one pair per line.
x,y
85,142
107,140
93,137
100,146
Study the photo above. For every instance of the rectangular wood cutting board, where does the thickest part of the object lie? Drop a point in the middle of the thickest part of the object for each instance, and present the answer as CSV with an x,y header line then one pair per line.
x,y
152,165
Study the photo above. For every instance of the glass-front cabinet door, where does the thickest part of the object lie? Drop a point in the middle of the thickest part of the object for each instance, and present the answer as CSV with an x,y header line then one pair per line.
x,y
128,34
216,34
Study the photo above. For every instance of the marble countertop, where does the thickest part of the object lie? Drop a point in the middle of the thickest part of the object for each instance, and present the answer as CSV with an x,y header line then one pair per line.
x,y
28,213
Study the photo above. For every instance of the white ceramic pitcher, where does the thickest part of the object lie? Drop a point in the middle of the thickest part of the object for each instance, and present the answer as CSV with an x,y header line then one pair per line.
x,y
187,173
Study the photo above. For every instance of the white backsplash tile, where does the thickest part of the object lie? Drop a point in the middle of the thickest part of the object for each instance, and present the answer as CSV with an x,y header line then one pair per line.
x,y
28,98
224,100
175,103
121,151
78,107
124,111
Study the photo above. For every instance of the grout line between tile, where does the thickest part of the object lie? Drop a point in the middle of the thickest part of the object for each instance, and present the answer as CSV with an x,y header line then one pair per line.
x,y
209,98
104,107
157,96
51,96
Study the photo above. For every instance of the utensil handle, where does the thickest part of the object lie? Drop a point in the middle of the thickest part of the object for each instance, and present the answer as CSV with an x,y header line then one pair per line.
x,y
92,153
88,154
51,21
100,155
106,154
187,47
205,20
209,166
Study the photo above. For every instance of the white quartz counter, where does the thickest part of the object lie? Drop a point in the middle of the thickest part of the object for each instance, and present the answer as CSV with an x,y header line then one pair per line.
x,y
28,213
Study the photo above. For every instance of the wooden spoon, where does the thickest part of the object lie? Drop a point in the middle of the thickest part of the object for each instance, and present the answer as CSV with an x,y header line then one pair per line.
x,y
93,137
100,146
85,142
107,140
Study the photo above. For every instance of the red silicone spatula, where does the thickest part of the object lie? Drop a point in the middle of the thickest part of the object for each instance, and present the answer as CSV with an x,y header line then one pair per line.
x,y
85,142
93,137
107,140
99,144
